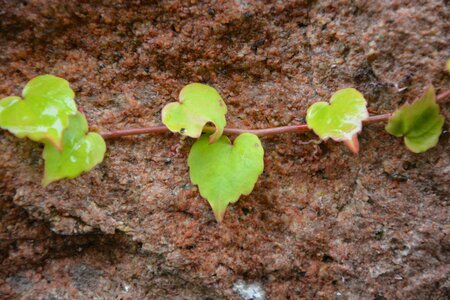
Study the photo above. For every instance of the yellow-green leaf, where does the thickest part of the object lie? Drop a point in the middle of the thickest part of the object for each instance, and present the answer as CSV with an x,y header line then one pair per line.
x,y
420,123
81,152
198,105
224,172
43,113
341,119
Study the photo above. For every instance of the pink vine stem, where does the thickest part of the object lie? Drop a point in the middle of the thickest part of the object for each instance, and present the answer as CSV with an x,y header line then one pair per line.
x,y
235,131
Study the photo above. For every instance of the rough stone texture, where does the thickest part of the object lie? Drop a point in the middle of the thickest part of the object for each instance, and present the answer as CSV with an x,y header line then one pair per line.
x,y
321,222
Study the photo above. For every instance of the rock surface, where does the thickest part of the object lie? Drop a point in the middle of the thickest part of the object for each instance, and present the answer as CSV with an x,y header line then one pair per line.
x,y
321,222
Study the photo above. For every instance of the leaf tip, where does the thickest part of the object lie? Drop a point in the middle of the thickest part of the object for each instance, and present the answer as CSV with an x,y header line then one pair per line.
x,y
353,144
219,214
46,181
58,143
215,136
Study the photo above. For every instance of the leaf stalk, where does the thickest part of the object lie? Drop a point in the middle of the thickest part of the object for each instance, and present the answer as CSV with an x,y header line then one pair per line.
x,y
302,128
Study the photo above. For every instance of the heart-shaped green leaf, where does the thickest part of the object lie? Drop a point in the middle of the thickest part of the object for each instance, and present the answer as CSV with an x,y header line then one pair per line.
x,y
199,104
420,123
44,112
341,119
224,172
81,152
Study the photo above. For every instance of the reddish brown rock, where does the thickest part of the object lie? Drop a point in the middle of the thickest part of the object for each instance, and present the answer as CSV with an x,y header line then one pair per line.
x,y
321,222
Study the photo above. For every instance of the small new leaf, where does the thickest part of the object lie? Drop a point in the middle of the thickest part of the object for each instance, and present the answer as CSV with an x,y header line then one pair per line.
x,y
43,113
420,123
81,152
224,172
340,119
198,105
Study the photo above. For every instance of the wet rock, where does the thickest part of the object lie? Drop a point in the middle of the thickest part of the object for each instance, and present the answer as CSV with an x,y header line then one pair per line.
x,y
321,223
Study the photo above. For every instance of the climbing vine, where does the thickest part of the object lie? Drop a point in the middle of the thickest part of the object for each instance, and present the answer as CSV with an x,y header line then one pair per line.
x,y
223,171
